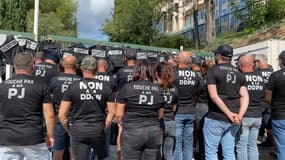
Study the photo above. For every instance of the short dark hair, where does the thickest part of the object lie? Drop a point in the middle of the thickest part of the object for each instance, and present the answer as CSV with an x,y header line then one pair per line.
x,y
142,71
23,60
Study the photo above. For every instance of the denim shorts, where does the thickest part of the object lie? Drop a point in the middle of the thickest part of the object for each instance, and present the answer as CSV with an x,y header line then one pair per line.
x,y
61,138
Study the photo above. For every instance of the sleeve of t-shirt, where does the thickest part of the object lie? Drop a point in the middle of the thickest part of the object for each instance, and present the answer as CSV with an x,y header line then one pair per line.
x,y
243,80
271,83
211,77
110,95
175,96
67,94
51,85
122,94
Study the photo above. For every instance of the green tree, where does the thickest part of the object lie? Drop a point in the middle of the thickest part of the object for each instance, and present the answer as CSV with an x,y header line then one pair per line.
x,y
275,10
172,41
13,14
56,17
134,21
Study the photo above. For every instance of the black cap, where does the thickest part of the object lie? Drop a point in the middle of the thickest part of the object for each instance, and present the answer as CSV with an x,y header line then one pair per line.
x,y
224,50
198,60
52,55
282,56
130,53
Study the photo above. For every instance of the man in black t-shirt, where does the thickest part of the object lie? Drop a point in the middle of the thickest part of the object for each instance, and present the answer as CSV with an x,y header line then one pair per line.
x,y
88,99
124,74
247,146
102,75
48,68
265,69
58,85
275,95
228,101
187,83
24,100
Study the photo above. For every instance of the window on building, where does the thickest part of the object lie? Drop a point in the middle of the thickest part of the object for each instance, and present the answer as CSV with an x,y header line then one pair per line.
x,y
189,22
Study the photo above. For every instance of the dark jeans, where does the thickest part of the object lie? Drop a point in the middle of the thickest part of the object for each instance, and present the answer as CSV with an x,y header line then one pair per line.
x,y
141,143
92,152
168,140
80,147
266,118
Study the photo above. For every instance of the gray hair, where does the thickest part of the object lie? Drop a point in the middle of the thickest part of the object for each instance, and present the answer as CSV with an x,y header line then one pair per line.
x,y
23,60
261,58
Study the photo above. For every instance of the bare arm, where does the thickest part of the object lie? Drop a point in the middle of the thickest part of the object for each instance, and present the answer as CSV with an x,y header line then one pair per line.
x,y
160,113
111,107
63,114
212,89
174,108
120,110
244,101
268,96
50,122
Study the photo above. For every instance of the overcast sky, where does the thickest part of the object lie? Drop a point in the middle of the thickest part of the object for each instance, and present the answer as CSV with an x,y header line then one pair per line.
x,y
91,15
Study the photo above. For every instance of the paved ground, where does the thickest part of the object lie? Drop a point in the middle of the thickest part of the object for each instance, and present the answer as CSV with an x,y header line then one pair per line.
x,y
264,153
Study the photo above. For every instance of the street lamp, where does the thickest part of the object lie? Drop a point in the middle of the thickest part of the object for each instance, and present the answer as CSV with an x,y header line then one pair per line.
x,y
36,19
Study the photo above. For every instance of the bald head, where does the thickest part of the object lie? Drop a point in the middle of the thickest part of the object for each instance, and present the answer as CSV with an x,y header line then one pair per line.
x,y
246,63
70,62
184,59
101,65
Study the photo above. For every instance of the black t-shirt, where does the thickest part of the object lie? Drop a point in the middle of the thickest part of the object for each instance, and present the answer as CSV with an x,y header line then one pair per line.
x,y
265,73
203,94
110,80
124,76
143,99
59,84
21,110
228,81
170,99
187,83
46,71
276,84
255,87
89,98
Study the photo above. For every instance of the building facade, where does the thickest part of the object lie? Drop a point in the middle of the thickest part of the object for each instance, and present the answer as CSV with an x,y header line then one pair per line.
x,y
178,17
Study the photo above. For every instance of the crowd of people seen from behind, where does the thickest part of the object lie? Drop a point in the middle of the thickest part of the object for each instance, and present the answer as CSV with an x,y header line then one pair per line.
x,y
181,108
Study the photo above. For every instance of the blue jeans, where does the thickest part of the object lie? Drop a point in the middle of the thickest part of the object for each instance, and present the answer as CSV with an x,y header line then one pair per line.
x,y
61,138
168,140
184,136
216,132
32,152
278,127
247,147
